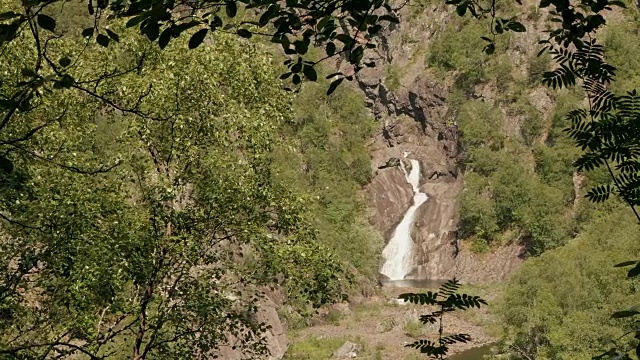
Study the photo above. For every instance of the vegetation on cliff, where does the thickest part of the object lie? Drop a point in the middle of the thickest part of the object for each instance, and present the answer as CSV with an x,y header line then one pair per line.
x,y
525,179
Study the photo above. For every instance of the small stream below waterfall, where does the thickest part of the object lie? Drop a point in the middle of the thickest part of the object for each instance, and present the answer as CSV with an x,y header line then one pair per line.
x,y
414,283
399,257
476,353
398,253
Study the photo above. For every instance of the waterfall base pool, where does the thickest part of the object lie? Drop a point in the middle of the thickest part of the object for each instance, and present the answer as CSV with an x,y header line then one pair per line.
x,y
414,283
476,353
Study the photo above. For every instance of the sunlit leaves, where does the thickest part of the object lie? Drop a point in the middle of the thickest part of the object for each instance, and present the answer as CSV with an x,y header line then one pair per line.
x,y
101,245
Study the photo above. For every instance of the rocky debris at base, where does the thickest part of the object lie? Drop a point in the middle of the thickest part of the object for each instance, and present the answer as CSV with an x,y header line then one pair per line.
x,y
348,350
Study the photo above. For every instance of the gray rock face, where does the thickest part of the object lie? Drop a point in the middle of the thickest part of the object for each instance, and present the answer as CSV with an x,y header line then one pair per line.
x,y
275,338
416,118
348,350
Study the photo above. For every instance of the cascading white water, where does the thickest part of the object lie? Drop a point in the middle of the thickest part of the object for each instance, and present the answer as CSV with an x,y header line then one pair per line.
x,y
398,252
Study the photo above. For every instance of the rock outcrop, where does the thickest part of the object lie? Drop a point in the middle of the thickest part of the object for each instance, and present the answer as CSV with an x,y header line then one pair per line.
x,y
275,338
348,350
416,118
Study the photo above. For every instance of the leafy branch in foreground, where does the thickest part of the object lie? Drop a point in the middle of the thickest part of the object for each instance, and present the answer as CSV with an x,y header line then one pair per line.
x,y
608,131
446,299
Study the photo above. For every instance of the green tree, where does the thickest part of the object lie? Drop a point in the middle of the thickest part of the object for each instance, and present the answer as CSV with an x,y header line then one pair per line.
x,y
343,28
163,255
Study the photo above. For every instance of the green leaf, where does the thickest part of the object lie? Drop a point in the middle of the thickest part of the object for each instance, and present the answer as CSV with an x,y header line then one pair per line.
x,y
244,33
334,85
624,314
197,38
215,23
516,26
490,49
626,263
389,18
344,38
65,61
618,3
8,15
164,38
634,272
46,22
28,72
301,47
331,48
461,9
135,20
88,32
113,35
231,8
6,165
310,73
544,4
103,40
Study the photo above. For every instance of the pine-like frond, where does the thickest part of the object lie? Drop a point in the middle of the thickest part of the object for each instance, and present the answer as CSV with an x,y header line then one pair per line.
x,y
428,298
450,287
430,318
456,338
599,194
429,347
464,301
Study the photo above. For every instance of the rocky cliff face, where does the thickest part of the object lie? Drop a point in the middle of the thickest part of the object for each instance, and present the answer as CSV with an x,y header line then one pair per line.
x,y
416,118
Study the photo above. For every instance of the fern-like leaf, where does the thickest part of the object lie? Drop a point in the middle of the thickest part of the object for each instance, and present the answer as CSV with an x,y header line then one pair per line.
x,y
449,287
455,338
428,298
599,193
429,347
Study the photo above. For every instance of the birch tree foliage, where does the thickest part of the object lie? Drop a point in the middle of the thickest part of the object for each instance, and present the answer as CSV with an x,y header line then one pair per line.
x,y
147,233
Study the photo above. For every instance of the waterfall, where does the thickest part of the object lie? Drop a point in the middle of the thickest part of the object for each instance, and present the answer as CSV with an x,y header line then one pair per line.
x,y
398,253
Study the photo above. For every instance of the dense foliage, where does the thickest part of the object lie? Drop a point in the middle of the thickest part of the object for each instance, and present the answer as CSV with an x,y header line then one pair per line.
x,y
344,28
505,198
150,233
559,305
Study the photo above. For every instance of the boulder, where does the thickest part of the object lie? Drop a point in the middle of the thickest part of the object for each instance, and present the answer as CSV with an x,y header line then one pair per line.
x,y
348,350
